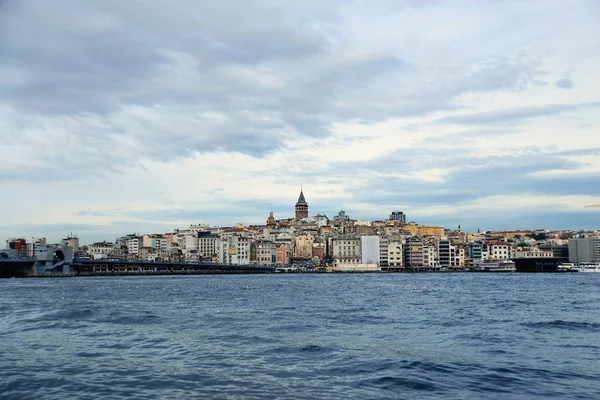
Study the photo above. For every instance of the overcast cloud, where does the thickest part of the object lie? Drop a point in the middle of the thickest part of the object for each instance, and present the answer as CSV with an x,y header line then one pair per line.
x,y
145,116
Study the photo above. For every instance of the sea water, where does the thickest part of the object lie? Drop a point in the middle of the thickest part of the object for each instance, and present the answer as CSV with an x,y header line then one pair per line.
x,y
302,336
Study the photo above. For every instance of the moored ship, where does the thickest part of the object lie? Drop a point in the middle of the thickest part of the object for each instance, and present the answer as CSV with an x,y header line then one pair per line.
x,y
582,267
588,267
496,266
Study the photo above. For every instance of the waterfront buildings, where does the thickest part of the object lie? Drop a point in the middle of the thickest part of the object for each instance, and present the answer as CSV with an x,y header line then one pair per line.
x,y
342,243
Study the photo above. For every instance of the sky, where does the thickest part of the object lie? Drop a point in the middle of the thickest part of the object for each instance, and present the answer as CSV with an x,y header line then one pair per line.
x,y
145,116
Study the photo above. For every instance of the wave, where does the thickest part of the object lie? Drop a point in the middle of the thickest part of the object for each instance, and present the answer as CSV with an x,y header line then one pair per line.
x,y
568,325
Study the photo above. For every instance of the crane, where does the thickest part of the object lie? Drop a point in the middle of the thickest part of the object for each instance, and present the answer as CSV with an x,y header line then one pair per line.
x,y
593,205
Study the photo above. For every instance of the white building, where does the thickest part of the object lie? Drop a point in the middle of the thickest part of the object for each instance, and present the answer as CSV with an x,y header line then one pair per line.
x,y
369,249
128,245
100,250
499,251
429,255
133,245
190,243
235,249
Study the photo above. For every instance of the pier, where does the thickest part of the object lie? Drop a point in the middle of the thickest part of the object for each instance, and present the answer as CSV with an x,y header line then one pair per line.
x,y
110,267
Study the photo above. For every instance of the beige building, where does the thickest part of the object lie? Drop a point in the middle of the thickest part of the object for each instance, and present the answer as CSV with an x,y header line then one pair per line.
x,y
424,230
100,250
460,255
532,252
346,250
266,252
395,253
72,241
207,246
304,245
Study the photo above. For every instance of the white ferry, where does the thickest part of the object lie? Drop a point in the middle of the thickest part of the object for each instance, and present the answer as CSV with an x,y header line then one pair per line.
x,y
496,266
567,267
588,267
583,267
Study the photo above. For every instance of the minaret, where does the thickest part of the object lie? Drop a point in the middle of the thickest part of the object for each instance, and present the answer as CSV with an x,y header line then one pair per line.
x,y
301,207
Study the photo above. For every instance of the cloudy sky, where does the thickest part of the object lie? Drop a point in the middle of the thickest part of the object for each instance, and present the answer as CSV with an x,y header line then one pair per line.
x,y
148,115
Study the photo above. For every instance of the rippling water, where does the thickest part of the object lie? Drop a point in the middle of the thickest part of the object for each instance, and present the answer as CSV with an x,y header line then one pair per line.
x,y
302,336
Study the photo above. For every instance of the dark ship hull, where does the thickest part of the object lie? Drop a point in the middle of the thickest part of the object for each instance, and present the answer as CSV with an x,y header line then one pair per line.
x,y
16,268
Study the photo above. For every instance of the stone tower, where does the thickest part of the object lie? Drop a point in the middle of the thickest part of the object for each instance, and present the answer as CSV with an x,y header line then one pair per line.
x,y
271,220
301,207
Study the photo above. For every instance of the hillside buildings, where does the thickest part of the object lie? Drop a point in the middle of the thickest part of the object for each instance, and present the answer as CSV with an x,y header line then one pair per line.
x,y
339,244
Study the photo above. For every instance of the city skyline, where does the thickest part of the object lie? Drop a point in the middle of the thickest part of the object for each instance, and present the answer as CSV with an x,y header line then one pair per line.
x,y
126,118
91,238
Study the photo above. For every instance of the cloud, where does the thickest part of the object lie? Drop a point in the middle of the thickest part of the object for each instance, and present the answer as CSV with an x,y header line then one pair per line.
x,y
564,83
515,114
185,83
122,113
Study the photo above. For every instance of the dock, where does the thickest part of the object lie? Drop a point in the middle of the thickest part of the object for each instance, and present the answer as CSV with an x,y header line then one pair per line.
x,y
132,268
